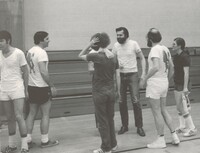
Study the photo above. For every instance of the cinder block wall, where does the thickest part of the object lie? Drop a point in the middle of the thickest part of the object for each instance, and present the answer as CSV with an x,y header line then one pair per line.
x,y
72,22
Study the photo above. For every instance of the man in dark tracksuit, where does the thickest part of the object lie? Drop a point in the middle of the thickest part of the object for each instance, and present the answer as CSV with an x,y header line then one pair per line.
x,y
105,66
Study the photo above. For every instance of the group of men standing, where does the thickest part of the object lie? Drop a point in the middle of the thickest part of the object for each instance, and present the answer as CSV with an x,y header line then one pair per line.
x,y
122,63
25,79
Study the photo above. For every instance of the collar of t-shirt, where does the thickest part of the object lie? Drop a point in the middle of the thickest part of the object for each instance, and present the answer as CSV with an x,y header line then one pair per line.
x,y
107,52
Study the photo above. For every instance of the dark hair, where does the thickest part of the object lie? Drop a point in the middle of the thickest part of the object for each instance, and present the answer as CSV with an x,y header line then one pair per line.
x,y
180,42
5,35
96,35
104,40
154,35
126,33
39,36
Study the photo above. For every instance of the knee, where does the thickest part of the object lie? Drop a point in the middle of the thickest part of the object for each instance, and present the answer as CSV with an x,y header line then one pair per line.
x,y
122,103
19,116
179,110
45,116
186,115
11,118
163,111
32,113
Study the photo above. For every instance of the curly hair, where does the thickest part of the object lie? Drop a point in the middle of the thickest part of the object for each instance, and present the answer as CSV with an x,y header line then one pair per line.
x,y
104,40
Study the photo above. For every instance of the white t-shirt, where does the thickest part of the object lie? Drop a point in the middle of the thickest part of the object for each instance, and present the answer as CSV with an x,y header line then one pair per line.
x,y
127,55
35,55
164,55
11,74
90,63
0,69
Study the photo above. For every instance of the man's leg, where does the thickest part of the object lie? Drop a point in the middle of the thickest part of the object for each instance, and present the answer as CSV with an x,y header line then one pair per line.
x,y
1,114
137,109
30,120
102,120
156,111
44,126
9,111
111,113
19,107
168,121
182,108
134,92
123,105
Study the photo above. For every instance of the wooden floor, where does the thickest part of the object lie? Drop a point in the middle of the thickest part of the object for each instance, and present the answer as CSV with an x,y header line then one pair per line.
x,y
81,105
78,134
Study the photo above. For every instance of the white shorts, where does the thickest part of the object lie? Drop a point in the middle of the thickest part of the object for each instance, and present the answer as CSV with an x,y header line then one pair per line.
x,y
11,95
157,88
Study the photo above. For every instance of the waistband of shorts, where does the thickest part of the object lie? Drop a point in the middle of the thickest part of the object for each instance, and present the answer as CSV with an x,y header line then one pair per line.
x,y
128,74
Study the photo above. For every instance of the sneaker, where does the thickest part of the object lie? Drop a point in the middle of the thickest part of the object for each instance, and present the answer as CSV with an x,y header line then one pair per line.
x,y
24,150
3,126
191,132
159,143
181,130
175,139
101,151
9,149
114,148
31,144
50,143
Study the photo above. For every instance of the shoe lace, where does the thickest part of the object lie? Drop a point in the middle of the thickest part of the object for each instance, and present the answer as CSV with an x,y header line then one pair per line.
x,y
24,151
9,149
99,150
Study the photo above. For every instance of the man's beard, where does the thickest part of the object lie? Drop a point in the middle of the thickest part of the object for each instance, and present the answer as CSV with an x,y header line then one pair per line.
x,y
149,43
121,40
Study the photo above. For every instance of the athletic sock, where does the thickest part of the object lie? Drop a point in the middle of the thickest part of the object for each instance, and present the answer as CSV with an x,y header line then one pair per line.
x,y
29,138
11,140
189,122
24,143
181,121
45,138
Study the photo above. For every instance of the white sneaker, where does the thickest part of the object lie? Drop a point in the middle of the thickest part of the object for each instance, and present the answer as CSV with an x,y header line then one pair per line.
x,y
159,143
181,130
175,139
190,133
101,151
114,148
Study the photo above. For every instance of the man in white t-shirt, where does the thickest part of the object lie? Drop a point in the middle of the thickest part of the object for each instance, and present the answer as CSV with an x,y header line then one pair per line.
x,y
14,82
127,51
159,73
39,88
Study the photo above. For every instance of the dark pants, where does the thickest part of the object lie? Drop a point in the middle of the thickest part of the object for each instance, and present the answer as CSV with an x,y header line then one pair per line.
x,y
104,100
130,80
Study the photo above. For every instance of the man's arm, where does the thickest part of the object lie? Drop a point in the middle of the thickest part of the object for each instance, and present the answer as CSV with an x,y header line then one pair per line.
x,y
25,76
143,63
154,69
171,69
151,72
186,78
82,55
44,72
45,75
117,78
